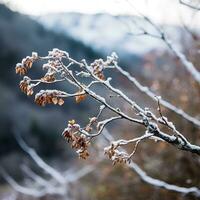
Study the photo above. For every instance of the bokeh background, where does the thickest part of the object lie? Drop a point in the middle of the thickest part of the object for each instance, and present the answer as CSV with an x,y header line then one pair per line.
x,y
90,30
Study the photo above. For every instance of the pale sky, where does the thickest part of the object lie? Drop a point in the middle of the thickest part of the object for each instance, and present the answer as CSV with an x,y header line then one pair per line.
x,y
167,11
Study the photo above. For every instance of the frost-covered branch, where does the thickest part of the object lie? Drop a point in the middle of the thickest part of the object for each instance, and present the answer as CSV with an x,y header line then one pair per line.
x,y
152,95
153,181
81,137
41,163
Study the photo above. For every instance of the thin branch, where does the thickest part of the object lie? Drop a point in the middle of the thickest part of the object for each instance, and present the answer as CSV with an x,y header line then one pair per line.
x,y
185,62
38,179
41,163
152,95
179,140
197,8
153,181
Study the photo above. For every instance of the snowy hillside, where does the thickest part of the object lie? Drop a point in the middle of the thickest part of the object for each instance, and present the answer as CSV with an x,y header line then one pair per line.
x,y
104,32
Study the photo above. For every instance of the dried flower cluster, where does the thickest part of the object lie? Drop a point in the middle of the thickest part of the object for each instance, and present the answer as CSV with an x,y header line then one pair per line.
x,y
26,86
52,67
78,140
80,96
115,155
48,97
57,53
49,77
26,64
98,66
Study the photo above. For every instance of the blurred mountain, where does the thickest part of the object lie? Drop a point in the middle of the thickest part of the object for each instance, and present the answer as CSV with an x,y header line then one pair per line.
x,y
104,32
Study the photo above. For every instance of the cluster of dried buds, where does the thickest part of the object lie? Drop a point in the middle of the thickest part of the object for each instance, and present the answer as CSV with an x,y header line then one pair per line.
x,y
52,66
26,86
26,64
115,155
78,140
99,65
57,53
97,68
49,96
49,77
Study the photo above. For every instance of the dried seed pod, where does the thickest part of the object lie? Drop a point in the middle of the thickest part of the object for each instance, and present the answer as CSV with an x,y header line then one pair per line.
x,y
27,62
20,69
60,102
49,96
115,155
30,90
78,141
49,78
97,68
80,97
25,86
83,153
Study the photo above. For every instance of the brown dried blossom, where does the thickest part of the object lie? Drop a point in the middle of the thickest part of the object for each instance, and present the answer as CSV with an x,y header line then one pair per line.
x,y
51,65
97,67
25,86
49,96
57,53
80,97
115,155
22,68
78,140
27,62
83,153
49,78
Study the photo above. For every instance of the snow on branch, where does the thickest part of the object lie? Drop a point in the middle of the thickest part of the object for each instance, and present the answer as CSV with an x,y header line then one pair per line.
x,y
153,181
81,137
152,95
41,163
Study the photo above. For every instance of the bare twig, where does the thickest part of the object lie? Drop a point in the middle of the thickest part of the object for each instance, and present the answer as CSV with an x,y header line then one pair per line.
x,y
195,7
162,35
41,163
152,95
